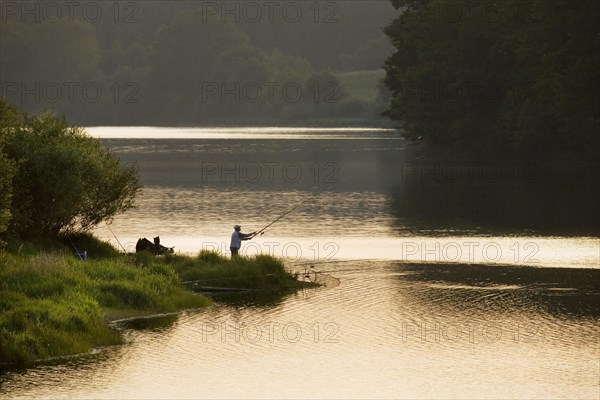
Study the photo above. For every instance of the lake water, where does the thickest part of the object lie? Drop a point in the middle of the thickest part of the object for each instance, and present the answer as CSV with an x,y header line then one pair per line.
x,y
444,280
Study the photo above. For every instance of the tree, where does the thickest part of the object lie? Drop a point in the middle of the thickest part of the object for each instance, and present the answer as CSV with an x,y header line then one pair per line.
x,y
6,175
368,56
194,60
9,119
518,83
557,53
323,91
65,180
46,64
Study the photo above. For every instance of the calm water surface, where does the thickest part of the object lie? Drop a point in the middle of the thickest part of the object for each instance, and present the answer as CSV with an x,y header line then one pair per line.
x,y
423,298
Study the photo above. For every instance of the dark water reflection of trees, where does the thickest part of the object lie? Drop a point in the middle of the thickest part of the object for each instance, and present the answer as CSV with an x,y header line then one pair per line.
x,y
509,198
497,290
424,197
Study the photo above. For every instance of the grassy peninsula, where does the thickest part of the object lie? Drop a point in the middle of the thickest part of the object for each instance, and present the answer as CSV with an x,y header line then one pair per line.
x,y
56,183
54,304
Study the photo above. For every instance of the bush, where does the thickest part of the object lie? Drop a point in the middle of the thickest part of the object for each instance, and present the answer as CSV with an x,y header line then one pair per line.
x,y
6,176
9,117
65,181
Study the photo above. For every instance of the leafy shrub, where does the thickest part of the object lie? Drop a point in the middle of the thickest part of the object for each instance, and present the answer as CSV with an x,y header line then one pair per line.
x,y
9,117
64,180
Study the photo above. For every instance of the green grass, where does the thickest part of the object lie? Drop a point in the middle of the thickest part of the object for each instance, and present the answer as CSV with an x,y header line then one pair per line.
x,y
212,269
54,304
65,244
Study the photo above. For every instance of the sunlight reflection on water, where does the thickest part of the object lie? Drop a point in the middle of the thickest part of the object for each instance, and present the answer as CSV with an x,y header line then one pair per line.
x,y
334,225
384,331
148,132
399,316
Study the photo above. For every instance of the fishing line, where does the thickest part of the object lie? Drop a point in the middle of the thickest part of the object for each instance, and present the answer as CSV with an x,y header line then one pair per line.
x,y
211,280
117,239
331,262
260,232
76,250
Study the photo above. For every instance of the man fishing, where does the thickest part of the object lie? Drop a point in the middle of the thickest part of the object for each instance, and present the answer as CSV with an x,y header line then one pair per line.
x,y
236,239
237,236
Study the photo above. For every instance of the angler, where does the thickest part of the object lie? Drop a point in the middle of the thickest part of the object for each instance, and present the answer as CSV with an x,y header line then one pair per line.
x,y
237,236
236,239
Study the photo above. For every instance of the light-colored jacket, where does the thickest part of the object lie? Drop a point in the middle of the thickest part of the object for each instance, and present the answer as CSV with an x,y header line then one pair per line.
x,y
236,239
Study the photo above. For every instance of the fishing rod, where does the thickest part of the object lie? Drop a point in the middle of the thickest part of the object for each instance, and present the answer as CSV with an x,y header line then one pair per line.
x,y
286,213
82,256
116,238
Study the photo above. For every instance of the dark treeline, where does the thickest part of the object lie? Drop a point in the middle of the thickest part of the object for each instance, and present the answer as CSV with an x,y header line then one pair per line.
x,y
493,80
195,62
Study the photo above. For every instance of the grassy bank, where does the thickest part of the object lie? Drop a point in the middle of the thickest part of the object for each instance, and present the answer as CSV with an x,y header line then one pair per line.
x,y
212,269
54,304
